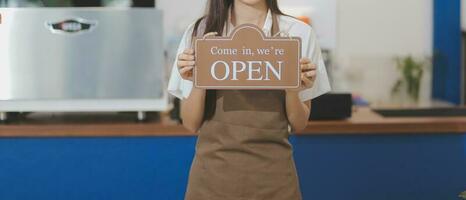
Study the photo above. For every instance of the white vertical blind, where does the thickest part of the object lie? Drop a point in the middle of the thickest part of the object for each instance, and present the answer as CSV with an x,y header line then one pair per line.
x,y
463,15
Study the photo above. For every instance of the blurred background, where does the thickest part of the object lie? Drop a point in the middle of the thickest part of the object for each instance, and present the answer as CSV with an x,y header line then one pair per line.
x,y
85,113
366,43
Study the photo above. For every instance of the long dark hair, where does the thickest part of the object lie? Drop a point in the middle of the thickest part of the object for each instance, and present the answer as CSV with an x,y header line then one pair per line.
x,y
217,15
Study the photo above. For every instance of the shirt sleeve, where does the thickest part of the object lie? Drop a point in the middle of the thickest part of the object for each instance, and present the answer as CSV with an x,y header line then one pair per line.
x,y
312,50
177,86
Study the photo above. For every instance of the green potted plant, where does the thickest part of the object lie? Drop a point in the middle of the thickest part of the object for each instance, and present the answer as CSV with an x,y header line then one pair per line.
x,y
463,195
411,73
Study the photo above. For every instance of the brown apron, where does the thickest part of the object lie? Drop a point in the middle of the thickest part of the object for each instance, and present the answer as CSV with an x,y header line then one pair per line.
x,y
242,151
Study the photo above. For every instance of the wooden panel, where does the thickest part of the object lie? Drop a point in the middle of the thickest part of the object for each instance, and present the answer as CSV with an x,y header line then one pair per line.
x,y
364,121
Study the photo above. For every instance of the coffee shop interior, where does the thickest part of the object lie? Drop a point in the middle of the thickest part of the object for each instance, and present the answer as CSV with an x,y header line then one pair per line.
x,y
85,112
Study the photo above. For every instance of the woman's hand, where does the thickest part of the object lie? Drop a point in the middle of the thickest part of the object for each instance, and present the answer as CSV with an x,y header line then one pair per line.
x,y
298,112
192,108
186,64
308,74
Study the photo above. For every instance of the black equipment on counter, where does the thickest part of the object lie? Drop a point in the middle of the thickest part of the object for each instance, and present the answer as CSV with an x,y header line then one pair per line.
x,y
331,107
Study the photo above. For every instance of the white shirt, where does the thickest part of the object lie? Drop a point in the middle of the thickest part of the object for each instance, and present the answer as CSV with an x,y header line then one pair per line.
x,y
181,88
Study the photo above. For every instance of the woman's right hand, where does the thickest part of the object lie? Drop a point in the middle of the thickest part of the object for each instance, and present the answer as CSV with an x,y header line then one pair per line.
x,y
192,108
186,64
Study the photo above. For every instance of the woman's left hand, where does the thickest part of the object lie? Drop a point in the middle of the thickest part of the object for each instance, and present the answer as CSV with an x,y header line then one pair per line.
x,y
308,74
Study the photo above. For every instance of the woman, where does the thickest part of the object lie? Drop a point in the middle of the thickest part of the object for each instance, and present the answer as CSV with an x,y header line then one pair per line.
x,y
242,151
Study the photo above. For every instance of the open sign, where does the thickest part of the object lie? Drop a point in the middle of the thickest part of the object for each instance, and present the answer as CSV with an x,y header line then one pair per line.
x,y
247,60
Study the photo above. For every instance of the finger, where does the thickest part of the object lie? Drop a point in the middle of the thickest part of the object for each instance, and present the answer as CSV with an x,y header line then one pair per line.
x,y
311,77
183,63
310,74
187,57
188,51
186,69
306,82
304,60
308,67
306,70
305,67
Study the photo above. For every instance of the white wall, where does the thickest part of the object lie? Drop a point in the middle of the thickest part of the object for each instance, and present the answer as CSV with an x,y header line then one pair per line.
x,y
177,17
355,26
178,14
375,27
371,33
365,35
323,14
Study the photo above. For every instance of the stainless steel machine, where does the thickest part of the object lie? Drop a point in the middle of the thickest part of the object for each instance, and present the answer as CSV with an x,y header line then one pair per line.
x,y
81,59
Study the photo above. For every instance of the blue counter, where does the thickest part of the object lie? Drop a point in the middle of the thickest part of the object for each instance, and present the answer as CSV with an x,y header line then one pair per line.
x,y
360,167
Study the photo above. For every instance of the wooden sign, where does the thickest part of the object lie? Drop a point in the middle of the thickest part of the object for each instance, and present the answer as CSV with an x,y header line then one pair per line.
x,y
247,60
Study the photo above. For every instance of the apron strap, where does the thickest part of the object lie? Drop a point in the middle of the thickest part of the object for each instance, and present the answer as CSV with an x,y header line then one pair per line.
x,y
275,25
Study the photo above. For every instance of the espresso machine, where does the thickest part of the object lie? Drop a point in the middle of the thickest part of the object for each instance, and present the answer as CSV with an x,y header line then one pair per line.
x,y
87,59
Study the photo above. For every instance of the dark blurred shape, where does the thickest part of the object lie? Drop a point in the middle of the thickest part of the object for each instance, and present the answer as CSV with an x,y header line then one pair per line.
x,y
463,101
86,3
332,107
423,112
144,3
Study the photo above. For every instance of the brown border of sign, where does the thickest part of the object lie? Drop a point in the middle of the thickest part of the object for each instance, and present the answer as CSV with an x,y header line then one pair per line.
x,y
265,38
